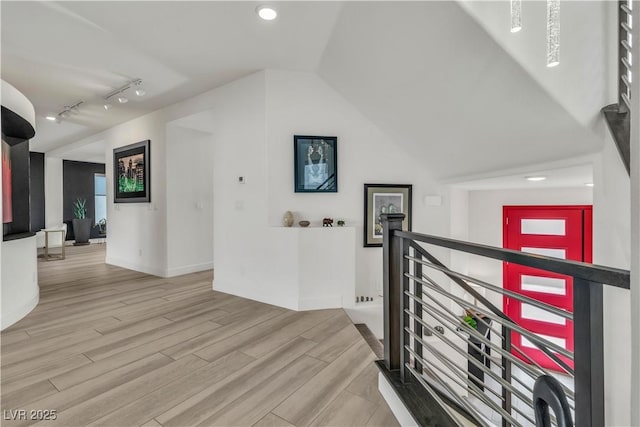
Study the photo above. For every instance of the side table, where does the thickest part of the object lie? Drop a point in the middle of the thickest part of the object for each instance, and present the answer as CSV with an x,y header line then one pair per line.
x,y
47,255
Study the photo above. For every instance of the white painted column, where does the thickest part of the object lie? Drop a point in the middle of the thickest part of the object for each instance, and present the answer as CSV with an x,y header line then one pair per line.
x,y
635,220
53,192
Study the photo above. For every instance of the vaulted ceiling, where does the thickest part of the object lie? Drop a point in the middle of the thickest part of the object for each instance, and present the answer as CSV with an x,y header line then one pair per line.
x,y
59,53
441,78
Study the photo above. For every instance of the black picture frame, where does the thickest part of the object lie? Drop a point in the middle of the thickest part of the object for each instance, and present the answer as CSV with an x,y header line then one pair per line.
x,y
315,161
132,173
384,198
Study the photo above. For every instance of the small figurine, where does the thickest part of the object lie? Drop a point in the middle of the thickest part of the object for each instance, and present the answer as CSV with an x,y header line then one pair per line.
x,y
340,223
327,222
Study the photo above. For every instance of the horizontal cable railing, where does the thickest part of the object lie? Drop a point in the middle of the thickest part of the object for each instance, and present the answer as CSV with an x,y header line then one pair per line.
x,y
625,54
447,331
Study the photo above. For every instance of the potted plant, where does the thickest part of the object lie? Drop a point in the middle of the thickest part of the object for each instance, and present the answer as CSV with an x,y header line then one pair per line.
x,y
81,224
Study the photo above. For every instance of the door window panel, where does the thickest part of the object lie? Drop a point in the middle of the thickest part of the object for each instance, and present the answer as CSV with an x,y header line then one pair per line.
x,y
547,285
547,227
555,253
534,313
556,340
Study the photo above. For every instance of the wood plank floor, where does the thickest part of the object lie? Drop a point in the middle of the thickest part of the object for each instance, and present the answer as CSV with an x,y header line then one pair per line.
x,y
112,347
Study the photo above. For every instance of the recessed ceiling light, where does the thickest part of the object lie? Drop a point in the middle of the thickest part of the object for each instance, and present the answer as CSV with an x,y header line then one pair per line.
x,y
51,118
141,92
123,100
536,178
107,106
589,184
267,13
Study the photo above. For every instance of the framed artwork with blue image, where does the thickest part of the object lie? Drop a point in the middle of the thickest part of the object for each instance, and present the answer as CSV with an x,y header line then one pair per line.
x,y
315,164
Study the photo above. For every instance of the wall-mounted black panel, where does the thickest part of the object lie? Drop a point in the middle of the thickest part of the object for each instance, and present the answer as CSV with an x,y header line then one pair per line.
x,y
20,223
78,182
37,190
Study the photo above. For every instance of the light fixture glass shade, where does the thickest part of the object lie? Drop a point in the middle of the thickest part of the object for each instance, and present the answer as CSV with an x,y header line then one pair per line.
x,y
516,15
107,106
535,178
123,99
267,13
51,118
141,92
553,33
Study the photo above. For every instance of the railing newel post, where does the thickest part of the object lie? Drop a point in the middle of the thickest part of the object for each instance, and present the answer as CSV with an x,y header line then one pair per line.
x,y
588,352
392,253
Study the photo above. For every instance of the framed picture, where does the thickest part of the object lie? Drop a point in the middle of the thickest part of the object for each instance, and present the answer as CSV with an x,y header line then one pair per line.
x,y
315,164
380,199
131,173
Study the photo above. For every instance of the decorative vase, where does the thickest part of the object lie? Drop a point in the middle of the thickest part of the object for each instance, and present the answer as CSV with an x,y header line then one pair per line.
x,y
304,223
287,220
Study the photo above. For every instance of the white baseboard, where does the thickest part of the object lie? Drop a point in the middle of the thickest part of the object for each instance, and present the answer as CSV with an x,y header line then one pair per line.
x,y
395,404
9,317
194,268
119,262
333,301
229,288
369,314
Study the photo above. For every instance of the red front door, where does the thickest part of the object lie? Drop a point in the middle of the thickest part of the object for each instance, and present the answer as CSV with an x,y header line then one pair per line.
x,y
557,231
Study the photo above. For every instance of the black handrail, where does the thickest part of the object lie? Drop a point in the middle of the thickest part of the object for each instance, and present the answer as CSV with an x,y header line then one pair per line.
x,y
548,393
590,272
588,284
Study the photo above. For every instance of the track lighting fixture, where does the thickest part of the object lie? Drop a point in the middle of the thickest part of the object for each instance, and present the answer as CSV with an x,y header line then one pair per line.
x,y
108,100
66,112
139,90
120,95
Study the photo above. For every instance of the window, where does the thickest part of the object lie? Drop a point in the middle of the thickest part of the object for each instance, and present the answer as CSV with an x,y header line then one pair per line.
x,y
100,190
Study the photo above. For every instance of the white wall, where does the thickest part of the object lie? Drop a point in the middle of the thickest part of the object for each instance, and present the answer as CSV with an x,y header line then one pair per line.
x,y
611,247
189,200
303,104
53,191
252,122
20,292
137,231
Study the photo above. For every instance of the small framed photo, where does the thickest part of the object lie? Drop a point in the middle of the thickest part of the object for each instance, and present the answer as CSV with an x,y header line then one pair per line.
x,y
131,173
380,199
315,164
